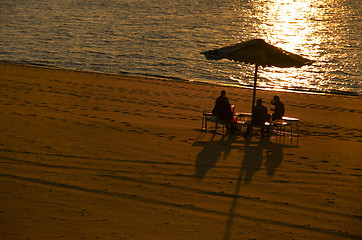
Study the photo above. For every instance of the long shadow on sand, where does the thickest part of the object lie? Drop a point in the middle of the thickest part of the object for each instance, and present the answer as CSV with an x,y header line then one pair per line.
x,y
255,151
213,150
254,154
252,162
218,147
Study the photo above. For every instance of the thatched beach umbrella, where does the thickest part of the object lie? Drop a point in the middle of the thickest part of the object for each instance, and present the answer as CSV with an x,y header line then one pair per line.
x,y
260,53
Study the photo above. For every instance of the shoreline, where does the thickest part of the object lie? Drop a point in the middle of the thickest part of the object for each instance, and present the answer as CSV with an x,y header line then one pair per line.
x,y
171,78
102,156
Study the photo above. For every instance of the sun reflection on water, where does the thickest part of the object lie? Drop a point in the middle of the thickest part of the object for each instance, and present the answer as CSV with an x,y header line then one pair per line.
x,y
308,28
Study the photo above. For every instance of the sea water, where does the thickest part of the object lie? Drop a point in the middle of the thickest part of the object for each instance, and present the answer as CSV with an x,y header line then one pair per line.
x,y
165,38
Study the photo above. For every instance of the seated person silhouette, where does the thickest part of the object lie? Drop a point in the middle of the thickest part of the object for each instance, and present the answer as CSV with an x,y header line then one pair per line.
x,y
278,108
222,110
258,118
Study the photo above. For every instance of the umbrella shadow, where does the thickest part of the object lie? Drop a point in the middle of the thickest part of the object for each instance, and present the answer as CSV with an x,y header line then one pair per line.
x,y
252,162
212,152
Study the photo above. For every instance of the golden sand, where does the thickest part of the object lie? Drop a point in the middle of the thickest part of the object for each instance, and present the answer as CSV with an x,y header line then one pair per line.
x,y
97,156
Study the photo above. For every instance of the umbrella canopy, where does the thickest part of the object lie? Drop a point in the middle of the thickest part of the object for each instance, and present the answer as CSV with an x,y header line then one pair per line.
x,y
260,53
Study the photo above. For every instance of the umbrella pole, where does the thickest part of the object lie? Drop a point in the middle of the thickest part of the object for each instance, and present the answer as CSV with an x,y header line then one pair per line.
x,y
250,133
254,89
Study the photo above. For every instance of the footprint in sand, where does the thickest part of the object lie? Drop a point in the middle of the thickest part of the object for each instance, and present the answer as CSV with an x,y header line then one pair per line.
x,y
313,166
135,131
127,124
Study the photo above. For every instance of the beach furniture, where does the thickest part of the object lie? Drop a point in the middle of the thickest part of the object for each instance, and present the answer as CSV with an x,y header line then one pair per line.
x,y
240,120
283,127
279,126
209,117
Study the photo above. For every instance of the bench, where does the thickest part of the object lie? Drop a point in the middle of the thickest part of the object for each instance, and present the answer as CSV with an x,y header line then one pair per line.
x,y
244,119
209,117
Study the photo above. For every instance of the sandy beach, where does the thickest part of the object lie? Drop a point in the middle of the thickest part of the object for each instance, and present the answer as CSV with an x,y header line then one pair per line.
x,y
98,156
